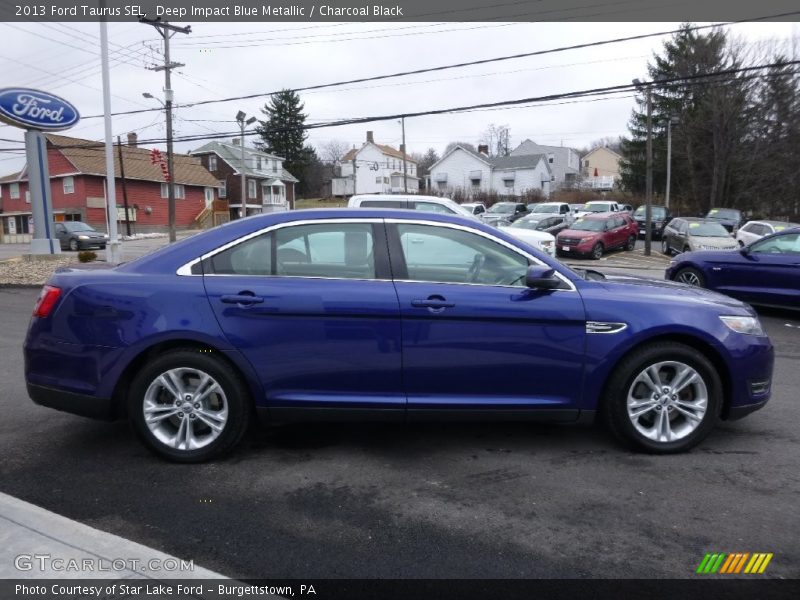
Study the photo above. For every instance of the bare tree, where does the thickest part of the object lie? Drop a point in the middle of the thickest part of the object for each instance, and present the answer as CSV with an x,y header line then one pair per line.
x,y
498,138
333,150
466,145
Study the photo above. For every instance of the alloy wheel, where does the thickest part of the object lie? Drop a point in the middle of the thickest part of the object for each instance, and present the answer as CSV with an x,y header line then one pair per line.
x,y
667,401
185,408
690,277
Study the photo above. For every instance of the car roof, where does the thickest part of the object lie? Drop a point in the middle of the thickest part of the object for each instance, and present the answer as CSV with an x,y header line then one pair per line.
x,y
767,222
600,215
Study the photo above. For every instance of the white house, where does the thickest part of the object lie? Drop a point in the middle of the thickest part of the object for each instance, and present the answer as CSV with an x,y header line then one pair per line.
x,y
470,171
565,163
375,169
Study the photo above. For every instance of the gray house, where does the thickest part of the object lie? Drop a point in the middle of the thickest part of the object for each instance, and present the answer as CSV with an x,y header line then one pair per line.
x,y
565,163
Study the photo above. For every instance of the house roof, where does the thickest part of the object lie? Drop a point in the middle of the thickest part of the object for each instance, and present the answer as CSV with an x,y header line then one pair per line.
x,y
606,148
13,177
388,150
89,158
530,147
525,161
233,156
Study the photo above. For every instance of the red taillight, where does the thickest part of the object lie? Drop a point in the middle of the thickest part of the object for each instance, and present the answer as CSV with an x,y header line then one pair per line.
x,y
47,300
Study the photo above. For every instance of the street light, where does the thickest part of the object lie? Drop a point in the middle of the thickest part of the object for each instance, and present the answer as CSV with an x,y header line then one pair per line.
x,y
648,235
241,118
167,104
673,120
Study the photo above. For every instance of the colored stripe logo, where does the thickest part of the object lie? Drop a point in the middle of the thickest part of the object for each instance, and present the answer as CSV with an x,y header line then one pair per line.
x,y
734,563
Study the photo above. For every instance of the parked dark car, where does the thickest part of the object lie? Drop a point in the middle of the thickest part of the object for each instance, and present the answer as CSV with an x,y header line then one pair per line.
x,y
767,272
730,218
502,213
391,315
659,217
76,235
542,222
596,233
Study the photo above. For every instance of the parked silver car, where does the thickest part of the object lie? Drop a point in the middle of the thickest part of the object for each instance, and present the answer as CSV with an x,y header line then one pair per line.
x,y
755,230
684,234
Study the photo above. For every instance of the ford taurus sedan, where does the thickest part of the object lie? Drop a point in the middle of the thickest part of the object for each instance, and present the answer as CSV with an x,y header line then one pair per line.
x,y
386,315
767,272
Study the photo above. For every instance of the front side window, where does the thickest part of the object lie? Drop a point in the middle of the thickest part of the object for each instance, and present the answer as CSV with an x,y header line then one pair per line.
x,y
335,250
445,255
782,244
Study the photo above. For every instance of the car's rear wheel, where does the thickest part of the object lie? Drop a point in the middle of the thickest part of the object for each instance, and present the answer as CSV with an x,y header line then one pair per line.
x,y
73,245
663,398
631,243
691,276
187,405
597,251
665,247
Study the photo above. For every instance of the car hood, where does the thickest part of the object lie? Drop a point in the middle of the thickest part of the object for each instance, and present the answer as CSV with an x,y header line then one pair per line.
x,y
529,234
578,233
717,243
661,289
495,216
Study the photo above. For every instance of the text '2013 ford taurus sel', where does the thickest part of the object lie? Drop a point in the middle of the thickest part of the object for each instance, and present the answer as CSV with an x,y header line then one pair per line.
x,y
389,315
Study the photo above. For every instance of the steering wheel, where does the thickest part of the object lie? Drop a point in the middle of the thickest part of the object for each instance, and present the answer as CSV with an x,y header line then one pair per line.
x,y
475,268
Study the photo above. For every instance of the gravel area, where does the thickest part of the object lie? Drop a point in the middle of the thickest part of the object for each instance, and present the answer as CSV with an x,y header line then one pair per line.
x,y
26,271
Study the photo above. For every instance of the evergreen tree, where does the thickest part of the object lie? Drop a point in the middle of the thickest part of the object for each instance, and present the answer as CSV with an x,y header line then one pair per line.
x,y
282,134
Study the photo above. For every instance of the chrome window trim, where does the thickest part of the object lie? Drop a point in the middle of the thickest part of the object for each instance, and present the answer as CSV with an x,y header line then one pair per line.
x,y
185,270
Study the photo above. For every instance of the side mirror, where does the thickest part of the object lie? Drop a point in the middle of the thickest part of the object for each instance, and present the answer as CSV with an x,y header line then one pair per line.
x,y
541,277
744,250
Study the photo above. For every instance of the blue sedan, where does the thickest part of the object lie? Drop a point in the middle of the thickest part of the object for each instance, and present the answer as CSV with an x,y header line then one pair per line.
x,y
385,315
766,272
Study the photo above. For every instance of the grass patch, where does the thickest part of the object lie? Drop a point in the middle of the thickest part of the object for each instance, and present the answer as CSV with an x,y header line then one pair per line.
x,y
302,203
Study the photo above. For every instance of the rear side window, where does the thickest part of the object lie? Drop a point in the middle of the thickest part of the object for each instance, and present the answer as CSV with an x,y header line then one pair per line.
x,y
383,204
432,207
330,250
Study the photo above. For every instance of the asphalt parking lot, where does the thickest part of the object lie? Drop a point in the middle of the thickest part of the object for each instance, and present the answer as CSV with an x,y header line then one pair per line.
x,y
436,500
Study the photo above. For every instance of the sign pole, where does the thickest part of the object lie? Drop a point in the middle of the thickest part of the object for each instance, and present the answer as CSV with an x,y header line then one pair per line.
x,y
42,241
113,252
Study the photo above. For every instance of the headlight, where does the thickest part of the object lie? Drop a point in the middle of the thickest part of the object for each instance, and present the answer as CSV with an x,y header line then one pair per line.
x,y
746,325
83,237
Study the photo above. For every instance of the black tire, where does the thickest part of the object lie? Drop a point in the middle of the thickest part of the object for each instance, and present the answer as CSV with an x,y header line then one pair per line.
x,y
686,249
236,394
620,384
665,249
631,245
103,247
691,276
73,245
741,243
597,251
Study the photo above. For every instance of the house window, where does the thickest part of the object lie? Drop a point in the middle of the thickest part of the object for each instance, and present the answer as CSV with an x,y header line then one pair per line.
x,y
223,188
378,179
442,185
476,183
180,193
27,196
509,183
258,163
586,164
274,166
209,195
1,191
385,180
251,188
69,185
212,162
14,189
551,158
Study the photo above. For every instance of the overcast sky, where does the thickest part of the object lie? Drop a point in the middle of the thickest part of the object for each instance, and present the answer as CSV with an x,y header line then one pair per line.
x,y
224,60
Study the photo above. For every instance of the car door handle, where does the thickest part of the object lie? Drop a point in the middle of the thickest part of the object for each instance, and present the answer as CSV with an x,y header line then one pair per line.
x,y
245,298
432,302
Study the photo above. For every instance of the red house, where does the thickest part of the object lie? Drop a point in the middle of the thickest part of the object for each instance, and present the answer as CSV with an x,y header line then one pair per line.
x,y
78,188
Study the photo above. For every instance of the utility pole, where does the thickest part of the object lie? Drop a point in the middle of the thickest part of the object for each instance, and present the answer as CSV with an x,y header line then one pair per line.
x,y
124,188
243,121
113,252
648,236
672,120
405,174
167,31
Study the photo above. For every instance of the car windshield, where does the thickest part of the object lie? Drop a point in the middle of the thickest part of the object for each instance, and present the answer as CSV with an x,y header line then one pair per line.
x,y
596,206
589,225
77,226
547,208
502,208
723,213
533,207
708,230
656,212
527,223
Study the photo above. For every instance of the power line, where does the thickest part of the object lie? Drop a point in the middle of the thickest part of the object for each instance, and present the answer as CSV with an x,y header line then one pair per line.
x,y
464,64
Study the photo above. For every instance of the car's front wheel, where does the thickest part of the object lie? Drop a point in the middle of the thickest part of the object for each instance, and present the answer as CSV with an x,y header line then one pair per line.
x,y
664,398
631,243
597,251
665,247
691,276
73,245
188,405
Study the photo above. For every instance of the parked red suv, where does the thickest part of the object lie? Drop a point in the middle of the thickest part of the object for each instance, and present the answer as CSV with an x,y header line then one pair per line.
x,y
595,233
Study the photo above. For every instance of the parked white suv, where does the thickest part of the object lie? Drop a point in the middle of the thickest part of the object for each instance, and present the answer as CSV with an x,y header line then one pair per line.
x,y
432,204
555,209
599,206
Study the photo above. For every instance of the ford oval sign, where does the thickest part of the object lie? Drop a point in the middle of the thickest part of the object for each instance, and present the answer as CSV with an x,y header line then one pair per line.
x,y
33,109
